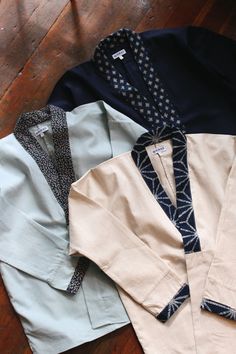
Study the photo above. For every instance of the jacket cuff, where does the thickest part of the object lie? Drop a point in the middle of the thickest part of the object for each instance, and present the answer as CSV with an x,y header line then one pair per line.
x,y
219,299
168,294
68,273
219,309
173,305
78,276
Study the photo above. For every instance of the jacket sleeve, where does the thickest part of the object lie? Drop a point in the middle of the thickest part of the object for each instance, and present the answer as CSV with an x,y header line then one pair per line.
x,y
220,291
61,95
33,249
99,235
76,87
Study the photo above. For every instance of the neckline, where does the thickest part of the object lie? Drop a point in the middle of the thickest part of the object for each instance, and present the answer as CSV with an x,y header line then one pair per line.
x,y
182,216
163,110
58,172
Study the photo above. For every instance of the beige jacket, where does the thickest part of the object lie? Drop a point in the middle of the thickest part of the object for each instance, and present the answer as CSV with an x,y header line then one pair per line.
x,y
161,222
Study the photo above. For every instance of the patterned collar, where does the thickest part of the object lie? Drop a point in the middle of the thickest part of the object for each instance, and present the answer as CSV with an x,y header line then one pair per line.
x,y
182,216
58,172
162,110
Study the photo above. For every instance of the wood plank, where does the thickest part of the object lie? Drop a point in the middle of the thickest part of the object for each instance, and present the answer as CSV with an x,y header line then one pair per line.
x,y
229,28
71,40
11,331
218,15
21,30
10,21
120,341
171,13
206,8
185,13
157,15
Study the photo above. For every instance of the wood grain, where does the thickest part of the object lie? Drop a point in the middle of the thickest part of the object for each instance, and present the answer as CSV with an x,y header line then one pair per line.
x,y
22,29
39,41
12,337
70,41
219,16
122,341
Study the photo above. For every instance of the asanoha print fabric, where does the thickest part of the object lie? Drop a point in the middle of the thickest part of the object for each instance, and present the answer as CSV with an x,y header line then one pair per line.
x,y
182,215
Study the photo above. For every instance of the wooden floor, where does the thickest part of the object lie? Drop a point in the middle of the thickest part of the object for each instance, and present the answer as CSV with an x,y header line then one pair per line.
x,y
39,40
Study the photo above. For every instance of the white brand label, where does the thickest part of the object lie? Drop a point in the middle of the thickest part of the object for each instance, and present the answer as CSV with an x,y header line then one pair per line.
x,y
41,131
161,149
119,54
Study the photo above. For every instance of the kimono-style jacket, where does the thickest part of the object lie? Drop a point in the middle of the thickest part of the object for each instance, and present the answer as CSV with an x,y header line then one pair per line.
x,y
47,152
139,74
160,221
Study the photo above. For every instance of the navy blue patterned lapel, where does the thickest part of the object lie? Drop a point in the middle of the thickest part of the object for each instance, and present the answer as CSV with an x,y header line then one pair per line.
x,y
162,110
182,216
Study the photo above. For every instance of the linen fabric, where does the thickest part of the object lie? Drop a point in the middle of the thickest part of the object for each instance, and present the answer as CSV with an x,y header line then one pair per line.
x,y
166,215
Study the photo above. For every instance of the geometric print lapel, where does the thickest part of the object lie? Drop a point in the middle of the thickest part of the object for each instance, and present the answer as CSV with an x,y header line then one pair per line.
x,y
158,111
181,215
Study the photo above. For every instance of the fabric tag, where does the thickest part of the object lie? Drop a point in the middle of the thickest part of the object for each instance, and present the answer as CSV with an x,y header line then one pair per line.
x,y
41,131
119,54
160,150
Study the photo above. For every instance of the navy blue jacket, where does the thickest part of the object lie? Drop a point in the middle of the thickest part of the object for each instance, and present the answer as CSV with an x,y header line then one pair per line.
x,y
196,67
